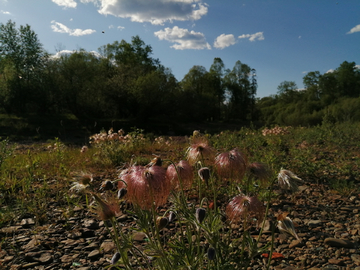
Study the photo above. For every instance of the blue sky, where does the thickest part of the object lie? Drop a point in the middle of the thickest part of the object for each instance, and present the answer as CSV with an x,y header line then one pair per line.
x,y
281,39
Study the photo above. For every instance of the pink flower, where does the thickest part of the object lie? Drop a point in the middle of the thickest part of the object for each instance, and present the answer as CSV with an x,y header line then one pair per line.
x,y
231,164
183,171
147,186
107,210
259,171
198,151
245,208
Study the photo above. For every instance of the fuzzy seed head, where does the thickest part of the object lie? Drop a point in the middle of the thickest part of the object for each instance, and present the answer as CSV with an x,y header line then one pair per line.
x,y
107,210
231,164
242,208
286,226
287,180
183,171
198,151
147,186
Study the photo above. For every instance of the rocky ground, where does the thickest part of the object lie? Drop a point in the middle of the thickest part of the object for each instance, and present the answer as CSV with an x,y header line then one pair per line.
x,y
328,225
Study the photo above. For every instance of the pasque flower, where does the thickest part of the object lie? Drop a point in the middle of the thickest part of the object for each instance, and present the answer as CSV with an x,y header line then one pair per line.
x,y
246,208
146,186
200,214
204,174
107,210
198,151
288,180
231,164
259,171
183,171
286,226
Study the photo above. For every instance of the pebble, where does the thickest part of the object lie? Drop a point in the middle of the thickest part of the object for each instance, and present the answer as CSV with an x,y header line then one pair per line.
x,y
333,242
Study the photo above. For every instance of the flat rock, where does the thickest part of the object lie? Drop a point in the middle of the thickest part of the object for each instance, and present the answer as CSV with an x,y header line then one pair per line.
x,y
334,242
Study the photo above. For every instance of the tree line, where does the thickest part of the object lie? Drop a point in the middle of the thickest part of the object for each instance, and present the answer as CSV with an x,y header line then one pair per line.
x,y
124,81
330,97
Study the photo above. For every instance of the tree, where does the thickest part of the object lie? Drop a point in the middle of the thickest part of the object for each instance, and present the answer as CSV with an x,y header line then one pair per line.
x,y
21,49
241,86
311,83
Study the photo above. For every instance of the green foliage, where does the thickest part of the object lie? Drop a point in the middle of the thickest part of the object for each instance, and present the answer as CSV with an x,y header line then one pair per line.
x,y
328,98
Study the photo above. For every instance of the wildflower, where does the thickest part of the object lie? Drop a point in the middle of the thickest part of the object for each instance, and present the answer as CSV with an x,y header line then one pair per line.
x,y
161,222
211,254
204,174
198,151
84,149
246,208
107,210
172,216
288,180
156,161
286,226
200,214
121,193
107,185
82,184
259,171
196,133
146,186
115,258
183,171
231,164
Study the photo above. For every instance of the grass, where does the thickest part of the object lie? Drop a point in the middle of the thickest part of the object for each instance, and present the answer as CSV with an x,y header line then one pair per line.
x,y
35,176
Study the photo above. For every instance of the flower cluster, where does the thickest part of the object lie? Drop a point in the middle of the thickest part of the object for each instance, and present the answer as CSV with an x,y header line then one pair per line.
x,y
112,136
275,131
163,141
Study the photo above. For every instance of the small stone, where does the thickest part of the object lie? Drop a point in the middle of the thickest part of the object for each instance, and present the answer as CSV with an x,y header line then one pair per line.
x,y
356,258
336,262
45,258
94,254
333,242
139,236
296,243
107,246
91,224
27,222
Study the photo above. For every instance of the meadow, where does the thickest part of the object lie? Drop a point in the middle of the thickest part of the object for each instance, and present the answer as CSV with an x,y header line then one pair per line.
x,y
231,200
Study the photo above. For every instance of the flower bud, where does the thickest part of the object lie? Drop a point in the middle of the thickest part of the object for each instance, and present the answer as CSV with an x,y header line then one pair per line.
x,y
204,174
121,193
115,258
162,222
200,214
211,253
172,216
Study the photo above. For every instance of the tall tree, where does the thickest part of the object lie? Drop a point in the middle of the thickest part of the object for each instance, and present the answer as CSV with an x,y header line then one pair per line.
x,y
22,49
241,87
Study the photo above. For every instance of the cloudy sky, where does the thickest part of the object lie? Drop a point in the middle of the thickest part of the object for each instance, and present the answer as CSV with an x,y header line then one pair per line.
x,y
281,39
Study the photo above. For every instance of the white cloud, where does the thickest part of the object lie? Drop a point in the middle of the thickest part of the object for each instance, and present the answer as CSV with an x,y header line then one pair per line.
x,y
330,71
120,28
354,29
111,26
154,11
66,3
68,53
61,28
357,66
183,38
5,12
224,41
253,37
